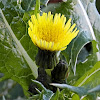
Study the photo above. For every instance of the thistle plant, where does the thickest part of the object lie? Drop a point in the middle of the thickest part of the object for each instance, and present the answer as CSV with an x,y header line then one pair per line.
x,y
43,30
50,48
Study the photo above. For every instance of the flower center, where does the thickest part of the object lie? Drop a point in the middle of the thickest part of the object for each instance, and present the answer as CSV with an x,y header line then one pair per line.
x,y
50,32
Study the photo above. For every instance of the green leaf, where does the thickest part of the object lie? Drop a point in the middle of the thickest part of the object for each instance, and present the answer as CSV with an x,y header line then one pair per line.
x,y
96,89
82,67
27,16
45,94
44,2
12,63
81,91
61,95
24,53
88,63
34,97
94,43
56,95
79,43
75,97
17,52
91,78
28,5
39,85
95,18
57,8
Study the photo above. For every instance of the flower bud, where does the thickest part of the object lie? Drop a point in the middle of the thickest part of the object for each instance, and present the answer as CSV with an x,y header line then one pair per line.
x,y
59,72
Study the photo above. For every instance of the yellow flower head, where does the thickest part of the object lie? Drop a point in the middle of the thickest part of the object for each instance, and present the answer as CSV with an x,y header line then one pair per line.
x,y
50,32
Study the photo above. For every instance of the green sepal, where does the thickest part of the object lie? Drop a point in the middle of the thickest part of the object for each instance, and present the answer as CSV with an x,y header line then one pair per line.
x,y
47,59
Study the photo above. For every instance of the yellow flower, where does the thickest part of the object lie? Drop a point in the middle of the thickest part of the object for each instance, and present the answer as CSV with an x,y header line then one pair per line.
x,y
50,32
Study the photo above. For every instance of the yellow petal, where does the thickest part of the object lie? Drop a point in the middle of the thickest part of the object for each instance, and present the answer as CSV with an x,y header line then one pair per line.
x,y
51,32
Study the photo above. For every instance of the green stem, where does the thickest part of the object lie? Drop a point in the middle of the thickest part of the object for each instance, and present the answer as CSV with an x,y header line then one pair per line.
x,y
37,7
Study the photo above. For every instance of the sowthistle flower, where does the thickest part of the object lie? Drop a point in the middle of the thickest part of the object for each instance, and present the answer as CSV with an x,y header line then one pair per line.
x,y
51,33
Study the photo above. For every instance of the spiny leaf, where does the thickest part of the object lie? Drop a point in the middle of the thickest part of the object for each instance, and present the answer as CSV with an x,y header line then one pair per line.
x,y
24,53
81,91
14,47
45,94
